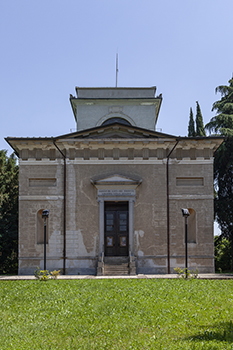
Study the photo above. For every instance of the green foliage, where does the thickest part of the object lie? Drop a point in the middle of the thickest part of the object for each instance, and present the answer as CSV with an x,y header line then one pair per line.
x,y
222,124
54,274
191,127
223,174
8,214
45,275
116,314
42,275
200,130
222,253
185,273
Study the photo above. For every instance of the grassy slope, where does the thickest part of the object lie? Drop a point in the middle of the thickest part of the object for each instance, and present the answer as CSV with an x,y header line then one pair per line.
x,y
116,314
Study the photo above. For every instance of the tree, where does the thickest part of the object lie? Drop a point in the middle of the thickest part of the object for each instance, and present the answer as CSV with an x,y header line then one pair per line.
x,y
222,254
8,213
200,130
191,127
222,124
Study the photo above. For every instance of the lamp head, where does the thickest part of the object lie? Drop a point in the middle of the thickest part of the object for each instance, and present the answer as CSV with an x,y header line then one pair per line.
x,y
45,214
185,212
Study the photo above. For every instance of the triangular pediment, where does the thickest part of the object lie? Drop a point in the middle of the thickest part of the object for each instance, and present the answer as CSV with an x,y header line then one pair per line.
x,y
116,130
116,179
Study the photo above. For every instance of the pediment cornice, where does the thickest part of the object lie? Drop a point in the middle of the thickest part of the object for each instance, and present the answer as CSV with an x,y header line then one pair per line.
x,y
114,136
115,182
116,130
115,179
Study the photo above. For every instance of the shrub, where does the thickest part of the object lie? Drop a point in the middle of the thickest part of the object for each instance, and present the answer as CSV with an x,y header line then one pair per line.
x,y
55,274
222,254
185,273
42,275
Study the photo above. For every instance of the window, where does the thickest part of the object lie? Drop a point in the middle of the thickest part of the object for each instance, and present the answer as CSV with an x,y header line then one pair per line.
x,y
116,120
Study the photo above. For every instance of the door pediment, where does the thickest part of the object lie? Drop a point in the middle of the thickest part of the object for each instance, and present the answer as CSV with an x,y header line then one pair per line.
x,y
116,180
116,187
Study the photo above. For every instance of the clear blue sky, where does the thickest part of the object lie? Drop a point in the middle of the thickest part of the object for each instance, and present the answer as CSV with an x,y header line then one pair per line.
x,y
48,47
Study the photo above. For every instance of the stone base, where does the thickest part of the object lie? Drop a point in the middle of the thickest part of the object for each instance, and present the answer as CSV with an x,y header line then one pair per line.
x,y
73,266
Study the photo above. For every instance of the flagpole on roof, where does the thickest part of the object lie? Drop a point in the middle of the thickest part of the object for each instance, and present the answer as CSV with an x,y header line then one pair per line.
x,y
116,68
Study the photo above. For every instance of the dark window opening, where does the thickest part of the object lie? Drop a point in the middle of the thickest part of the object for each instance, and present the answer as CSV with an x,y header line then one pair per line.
x,y
116,120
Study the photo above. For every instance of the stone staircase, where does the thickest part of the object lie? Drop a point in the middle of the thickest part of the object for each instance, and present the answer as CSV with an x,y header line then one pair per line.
x,y
116,266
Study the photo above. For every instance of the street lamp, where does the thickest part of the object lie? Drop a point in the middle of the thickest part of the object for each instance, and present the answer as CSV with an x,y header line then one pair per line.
x,y
186,214
45,215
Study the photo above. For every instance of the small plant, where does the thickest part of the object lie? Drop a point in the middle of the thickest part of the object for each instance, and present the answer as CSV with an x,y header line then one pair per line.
x,y
179,271
37,272
55,274
45,275
185,273
42,275
194,273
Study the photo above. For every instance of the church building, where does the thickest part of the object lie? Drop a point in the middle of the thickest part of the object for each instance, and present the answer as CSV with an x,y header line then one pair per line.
x,y
114,189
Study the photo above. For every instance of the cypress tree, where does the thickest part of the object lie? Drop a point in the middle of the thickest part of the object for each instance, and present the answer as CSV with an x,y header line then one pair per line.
x,y
200,130
191,127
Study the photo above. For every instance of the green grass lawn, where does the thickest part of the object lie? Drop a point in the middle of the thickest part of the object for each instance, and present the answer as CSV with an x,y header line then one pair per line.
x,y
116,314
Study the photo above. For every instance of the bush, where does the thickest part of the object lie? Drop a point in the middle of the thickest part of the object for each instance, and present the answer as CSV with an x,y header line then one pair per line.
x,y
222,254
185,273
45,275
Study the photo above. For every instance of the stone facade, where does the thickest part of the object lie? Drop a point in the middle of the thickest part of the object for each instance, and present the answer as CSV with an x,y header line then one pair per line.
x,y
77,176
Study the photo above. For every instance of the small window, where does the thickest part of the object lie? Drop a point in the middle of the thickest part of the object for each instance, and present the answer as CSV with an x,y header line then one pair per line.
x,y
116,120
40,228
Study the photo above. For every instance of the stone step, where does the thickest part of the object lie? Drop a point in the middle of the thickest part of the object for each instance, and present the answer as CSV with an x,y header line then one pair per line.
x,y
116,270
116,266
116,260
116,274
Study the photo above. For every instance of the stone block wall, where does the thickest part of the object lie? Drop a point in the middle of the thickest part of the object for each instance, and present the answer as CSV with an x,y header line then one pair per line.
x,y
190,186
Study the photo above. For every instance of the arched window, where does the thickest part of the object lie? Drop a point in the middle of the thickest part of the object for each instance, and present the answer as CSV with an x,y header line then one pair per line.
x,y
116,120
192,226
40,228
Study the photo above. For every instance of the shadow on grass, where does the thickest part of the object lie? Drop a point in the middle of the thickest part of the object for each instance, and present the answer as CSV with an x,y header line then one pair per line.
x,y
219,332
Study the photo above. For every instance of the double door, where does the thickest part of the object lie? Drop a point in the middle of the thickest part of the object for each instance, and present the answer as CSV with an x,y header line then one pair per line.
x,y
116,227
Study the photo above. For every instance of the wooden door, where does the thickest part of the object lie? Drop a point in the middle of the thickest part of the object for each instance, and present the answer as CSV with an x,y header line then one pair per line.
x,y
116,226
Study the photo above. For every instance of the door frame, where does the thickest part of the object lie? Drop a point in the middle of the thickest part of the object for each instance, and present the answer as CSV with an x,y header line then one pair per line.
x,y
116,209
130,200
121,188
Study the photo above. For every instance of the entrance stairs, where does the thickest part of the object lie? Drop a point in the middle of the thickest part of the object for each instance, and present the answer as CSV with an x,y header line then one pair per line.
x,y
116,266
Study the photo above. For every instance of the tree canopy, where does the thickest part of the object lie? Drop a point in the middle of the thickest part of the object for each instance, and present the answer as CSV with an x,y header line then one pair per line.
x,y
222,124
8,213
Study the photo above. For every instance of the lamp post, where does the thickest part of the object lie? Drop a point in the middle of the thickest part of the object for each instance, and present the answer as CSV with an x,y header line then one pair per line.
x,y
45,215
186,214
